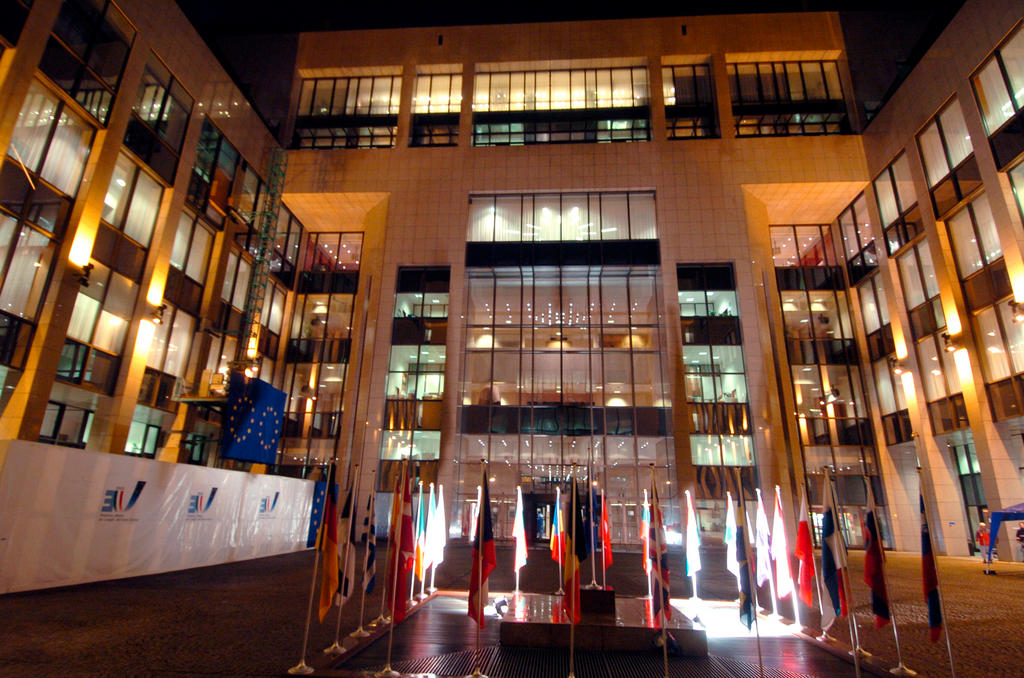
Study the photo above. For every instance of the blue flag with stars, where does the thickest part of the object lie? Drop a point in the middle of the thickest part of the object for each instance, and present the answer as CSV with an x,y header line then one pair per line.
x,y
252,425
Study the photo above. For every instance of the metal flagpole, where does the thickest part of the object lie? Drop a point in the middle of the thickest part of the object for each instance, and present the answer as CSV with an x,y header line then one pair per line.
x,y
572,593
591,483
561,538
302,668
647,565
845,580
656,519
335,647
900,669
361,632
387,671
750,570
477,673
938,581
604,570
693,577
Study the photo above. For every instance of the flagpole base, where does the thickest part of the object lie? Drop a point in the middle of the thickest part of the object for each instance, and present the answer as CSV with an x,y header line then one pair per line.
x,y
477,673
359,633
301,669
379,621
335,648
825,638
431,590
387,672
862,652
560,591
902,670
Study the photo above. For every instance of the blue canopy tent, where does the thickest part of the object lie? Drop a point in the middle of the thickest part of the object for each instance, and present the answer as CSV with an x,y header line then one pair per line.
x,y
1015,512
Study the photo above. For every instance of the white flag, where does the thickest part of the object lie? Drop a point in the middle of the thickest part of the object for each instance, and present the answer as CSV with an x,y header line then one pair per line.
x,y
731,562
780,551
519,532
763,545
431,528
692,539
438,536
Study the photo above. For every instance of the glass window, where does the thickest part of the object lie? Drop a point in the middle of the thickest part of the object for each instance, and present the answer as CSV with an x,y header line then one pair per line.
x,y
24,281
132,201
999,84
565,217
944,143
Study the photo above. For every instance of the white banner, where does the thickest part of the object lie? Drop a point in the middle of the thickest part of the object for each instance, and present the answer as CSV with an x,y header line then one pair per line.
x,y
69,516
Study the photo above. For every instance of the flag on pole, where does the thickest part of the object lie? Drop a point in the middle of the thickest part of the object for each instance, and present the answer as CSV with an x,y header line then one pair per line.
x,y
645,534
475,522
370,537
780,551
606,534
557,543
484,558
763,544
400,544
421,538
833,552
659,558
429,530
576,551
743,567
805,554
732,563
692,539
930,578
519,533
437,532
347,569
327,544
874,576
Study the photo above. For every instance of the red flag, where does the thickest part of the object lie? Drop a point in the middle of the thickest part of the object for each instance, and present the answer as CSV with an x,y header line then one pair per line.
x,y
805,554
328,545
606,534
645,534
400,543
484,558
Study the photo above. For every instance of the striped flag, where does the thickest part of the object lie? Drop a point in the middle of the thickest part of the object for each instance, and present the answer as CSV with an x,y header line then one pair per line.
x,y
519,533
930,578
732,563
874,557
645,534
347,563
437,532
763,544
421,538
805,554
484,558
370,537
659,558
780,551
606,534
400,544
692,539
833,552
743,563
576,551
327,543
557,542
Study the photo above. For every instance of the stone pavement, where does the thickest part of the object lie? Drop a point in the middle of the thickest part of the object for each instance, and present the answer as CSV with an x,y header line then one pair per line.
x,y
246,619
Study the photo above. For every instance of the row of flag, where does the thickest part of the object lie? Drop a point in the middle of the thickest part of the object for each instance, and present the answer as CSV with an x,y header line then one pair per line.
x,y
771,547
413,550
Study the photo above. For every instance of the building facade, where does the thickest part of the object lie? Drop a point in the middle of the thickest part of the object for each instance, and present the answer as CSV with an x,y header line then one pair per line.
x,y
665,251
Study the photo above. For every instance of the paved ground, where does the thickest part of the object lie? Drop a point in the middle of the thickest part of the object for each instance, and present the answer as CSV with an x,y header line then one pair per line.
x,y
246,619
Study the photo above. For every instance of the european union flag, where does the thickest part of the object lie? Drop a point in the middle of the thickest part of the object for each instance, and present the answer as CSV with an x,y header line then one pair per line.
x,y
252,425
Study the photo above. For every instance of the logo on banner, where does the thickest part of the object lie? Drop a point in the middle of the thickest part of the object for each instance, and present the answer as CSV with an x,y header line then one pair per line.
x,y
268,504
198,504
114,505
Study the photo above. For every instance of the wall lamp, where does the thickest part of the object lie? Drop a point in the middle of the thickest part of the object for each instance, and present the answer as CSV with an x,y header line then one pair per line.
x,y
949,344
896,366
157,314
1017,309
83,276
